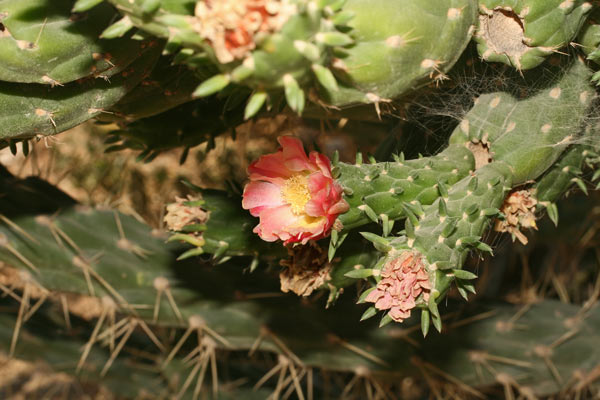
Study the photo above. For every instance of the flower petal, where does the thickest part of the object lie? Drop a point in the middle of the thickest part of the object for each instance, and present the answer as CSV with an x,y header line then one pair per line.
x,y
294,155
322,162
275,222
270,167
260,195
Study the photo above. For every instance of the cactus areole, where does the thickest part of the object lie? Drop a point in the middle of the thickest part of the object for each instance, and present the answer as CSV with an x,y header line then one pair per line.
x,y
294,195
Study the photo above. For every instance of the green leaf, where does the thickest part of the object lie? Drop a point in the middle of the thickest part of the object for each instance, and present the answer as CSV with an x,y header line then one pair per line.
x,y
369,212
437,323
432,305
380,243
442,208
462,274
212,85
581,185
342,18
255,103
424,322
191,253
118,29
385,320
370,312
325,78
462,291
449,227
361,273
484,247
308,50
491,212
150,6
364,295
442,189
293,93
85,5
334,38
553,213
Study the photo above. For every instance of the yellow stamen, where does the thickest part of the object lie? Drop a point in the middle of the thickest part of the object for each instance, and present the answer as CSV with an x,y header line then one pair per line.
x,y
295,193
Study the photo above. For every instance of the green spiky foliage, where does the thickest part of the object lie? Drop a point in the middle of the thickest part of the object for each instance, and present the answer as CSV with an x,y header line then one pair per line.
x,y
187,125
520,149
566,174
167,310
523,33
165,88
445,233
321,45
404,36
376,191
141,290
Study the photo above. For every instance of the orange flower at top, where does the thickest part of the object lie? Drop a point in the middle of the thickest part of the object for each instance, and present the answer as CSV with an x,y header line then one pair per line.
x,y
293,194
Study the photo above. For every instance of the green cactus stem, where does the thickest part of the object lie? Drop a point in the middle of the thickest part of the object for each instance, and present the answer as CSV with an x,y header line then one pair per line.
x,y
523,33
504,125
378,191
32,110
44,42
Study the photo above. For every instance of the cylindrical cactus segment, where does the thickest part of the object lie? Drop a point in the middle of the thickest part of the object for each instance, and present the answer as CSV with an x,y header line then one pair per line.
x,y
376,191
29,110
44,42
400,45
290,46
282,46
523,33
529,134
441,235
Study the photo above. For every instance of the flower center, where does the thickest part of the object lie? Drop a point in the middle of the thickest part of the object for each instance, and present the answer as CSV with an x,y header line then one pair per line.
x,y
295,193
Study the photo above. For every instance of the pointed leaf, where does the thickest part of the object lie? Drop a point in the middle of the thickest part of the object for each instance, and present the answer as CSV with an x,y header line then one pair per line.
x,y
369,312
212,85
424,322
325,78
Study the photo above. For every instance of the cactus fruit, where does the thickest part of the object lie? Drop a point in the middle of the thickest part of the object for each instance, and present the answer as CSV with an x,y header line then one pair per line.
x,y
523,33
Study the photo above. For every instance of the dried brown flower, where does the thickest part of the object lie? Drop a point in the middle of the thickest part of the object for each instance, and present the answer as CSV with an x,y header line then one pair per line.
x,y
307,269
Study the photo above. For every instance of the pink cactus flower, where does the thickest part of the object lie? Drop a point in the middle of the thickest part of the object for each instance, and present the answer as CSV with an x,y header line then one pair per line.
x,y
404,278
293,194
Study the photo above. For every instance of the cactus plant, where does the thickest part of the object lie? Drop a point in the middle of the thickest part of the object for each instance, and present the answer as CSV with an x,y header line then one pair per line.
x,y
274,266
296,44
522,344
